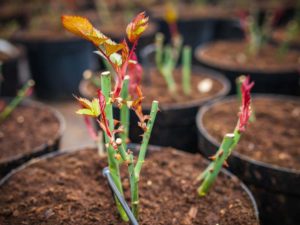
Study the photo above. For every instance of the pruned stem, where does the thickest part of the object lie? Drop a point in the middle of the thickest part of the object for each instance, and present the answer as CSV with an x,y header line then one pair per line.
x,y
22,93
141,158
112,162
125,111
186,70
210,174
159,41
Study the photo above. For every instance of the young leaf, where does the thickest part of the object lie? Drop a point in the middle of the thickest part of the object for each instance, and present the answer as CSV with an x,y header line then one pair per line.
x,y
89,108
136,27
82,27
245,112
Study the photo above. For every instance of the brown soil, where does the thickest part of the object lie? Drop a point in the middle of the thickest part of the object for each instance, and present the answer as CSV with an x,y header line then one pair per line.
x,y
71,190
233,55
273,137
26,129
157,89
280,35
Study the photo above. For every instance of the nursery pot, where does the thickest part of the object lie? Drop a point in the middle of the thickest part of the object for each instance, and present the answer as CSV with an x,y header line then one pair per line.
x,y
57,64
277,81
275,188
70,181
175,122
12,161
10,80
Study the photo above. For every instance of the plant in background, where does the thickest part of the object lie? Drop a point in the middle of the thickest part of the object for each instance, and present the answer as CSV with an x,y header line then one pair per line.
x,y
291,32
125,95
25,91
229,142
257,34
166,57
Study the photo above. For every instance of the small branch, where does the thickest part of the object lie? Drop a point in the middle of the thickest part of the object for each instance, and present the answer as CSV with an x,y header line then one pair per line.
x,y
113,164
125,111
141,157
22,93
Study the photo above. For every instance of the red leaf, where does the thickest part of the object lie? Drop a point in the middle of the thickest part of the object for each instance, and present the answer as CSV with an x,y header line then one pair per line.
x,y
135,71
136,27
245,111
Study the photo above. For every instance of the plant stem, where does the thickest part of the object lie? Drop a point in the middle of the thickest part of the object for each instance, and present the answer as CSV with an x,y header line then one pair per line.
x,y
167,69
159,41
22,93
112,162
125,111
228,144
186,70
141,158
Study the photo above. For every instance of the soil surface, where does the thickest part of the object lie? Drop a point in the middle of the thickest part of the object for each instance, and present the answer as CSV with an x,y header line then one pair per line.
x,y
273,137
26,129
156,89
233,55
70,189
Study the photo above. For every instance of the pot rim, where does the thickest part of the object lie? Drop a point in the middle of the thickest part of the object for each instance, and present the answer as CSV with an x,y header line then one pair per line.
x,y
198,70
199,49
74,150
201,128
58,135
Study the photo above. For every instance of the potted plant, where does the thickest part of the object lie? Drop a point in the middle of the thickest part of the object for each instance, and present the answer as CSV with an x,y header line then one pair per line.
x,y
74,193
205,20
288,36
20,118
187,87
272,71
274,177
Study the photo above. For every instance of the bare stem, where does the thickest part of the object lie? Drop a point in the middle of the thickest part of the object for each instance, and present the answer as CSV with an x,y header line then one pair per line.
x,y
125,111
141,158
112,162
186,70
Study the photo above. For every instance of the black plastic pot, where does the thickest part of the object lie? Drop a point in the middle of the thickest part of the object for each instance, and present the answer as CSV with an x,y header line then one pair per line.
x,y
18,160
277,82
275,189
175,123
133,147
57,65
10,81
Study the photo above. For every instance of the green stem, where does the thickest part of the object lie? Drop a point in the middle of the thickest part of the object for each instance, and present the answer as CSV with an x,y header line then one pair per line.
x,y
141,158
159,40
167,69
112,162
125,111
22,93
186,70
228,144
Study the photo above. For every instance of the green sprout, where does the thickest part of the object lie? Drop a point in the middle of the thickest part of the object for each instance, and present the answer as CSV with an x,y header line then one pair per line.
x,y
166,59
125,95
230,140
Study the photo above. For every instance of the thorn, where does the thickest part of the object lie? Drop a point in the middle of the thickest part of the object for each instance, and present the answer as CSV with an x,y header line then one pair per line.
x,y
225,164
